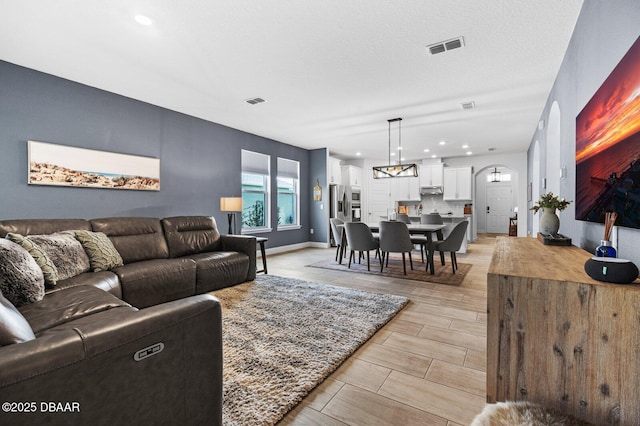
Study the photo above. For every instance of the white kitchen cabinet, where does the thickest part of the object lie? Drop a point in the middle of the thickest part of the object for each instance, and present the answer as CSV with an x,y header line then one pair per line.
x,y
405,189
335,175
352,176
431,175
457,184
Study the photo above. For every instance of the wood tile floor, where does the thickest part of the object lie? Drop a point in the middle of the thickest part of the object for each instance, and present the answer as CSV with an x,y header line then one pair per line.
x,y
427,366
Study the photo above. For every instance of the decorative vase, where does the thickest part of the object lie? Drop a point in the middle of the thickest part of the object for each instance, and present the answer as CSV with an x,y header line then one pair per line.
x,y
605,249
549,221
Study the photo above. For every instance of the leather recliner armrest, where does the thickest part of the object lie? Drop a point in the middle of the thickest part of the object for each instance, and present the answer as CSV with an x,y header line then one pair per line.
x,y
243,244
160,365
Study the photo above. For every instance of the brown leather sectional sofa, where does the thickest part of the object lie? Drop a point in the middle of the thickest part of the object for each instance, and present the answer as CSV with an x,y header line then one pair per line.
x,y
140,344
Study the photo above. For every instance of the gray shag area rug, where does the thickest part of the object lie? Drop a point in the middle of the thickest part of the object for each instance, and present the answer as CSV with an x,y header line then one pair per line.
x,y
284,336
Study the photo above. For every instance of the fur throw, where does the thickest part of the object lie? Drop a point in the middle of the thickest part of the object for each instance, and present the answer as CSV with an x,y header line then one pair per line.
x,y
523,413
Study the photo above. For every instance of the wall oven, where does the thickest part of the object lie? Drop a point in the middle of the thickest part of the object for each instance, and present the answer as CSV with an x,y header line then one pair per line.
x,y
355,206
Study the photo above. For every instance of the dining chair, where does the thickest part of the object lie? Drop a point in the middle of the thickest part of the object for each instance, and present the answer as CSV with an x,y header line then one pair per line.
x,y
431,219
404,218
453,242
395,238
336,228
434,219
420,240
360,238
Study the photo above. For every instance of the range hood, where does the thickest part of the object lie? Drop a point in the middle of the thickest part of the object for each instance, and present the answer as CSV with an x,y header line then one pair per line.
x,y
434,190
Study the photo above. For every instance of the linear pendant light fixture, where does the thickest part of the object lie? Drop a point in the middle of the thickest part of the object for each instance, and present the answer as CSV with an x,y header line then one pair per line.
x,y
395,170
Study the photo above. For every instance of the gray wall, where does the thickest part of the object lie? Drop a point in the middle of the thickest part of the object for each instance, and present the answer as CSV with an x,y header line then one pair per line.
x,y
319,211
603,34
199,160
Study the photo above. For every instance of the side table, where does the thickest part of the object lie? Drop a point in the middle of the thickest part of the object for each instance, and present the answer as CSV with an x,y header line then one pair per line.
x,y
263,254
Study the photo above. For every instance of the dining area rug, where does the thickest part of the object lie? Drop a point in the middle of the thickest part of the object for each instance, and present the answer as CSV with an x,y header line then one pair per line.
x,y
443,274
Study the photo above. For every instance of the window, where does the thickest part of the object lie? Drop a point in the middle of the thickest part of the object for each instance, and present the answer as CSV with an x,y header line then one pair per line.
x,y
255,191
504,177
288,178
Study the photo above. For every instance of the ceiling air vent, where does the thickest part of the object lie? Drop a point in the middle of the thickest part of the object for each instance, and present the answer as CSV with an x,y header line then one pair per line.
x,y
254,101
445,46
468,105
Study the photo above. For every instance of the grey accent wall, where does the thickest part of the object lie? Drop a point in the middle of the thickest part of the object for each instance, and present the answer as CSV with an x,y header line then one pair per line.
x,y
199,160
319,211
603,34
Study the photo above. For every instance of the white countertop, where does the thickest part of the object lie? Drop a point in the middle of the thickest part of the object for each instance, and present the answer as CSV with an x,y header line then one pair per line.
x,y
444,216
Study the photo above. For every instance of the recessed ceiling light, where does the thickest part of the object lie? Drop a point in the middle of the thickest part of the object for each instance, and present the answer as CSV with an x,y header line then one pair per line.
x,y
469,152
433,156
143,20
399,148
393,154
358,154
465,146
442,143
402,159
426,150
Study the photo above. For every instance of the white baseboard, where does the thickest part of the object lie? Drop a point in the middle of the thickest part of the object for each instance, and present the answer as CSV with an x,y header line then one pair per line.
x,y
292,247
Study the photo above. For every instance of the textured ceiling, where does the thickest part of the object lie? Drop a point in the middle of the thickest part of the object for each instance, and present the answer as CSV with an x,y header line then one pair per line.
x,y
332,72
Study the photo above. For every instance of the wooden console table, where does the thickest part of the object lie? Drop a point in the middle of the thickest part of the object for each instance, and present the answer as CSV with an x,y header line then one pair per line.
x,y
559,338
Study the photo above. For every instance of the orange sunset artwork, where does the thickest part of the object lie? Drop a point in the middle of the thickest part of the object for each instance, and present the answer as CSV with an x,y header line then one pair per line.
x,y
608,146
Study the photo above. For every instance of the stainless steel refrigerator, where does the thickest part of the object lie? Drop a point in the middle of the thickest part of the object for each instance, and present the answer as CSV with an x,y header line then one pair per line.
x,y
338,206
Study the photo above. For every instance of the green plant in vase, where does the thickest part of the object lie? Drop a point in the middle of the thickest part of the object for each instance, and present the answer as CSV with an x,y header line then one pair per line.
x,y
549,220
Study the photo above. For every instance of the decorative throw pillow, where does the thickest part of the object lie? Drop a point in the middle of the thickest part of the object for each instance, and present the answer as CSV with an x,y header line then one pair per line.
x,y
103,256
64,251
42,259
14,328
21,279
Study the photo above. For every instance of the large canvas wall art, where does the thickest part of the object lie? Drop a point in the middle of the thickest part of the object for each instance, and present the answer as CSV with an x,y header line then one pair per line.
x,y
608,147
51,164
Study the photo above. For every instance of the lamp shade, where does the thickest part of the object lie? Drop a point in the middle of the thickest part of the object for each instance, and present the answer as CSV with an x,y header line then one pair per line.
x,y
230,204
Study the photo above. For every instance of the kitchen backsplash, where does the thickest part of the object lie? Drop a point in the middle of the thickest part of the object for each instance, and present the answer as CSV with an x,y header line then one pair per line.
x,y
432,204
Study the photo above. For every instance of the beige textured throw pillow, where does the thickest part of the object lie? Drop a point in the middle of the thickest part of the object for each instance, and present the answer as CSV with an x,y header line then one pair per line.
x,y
49,270
103,256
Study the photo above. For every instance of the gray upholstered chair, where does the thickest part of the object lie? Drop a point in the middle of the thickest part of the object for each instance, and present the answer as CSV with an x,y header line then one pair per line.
x,y
404,218
360,238
431,219
337,233
395,238
453,242
434,219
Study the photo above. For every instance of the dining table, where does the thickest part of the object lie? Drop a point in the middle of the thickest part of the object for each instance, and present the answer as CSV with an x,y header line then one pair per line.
x,y
421,229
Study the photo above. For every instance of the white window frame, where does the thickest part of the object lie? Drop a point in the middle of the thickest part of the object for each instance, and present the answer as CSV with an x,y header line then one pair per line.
x,y
290,169
258,164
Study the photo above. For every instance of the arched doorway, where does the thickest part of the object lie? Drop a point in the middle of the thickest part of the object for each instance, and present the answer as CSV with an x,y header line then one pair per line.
x,y
553,150
495,201
535,179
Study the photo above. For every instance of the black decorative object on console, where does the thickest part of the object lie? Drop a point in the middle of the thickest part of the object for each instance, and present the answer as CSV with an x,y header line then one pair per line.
x,y
611,270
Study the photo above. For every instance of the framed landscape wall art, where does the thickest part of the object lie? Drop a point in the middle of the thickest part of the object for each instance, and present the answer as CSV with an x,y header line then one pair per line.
x,y
60,165
608,147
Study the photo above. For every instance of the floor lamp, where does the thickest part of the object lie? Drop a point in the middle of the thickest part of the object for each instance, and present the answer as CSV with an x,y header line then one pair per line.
x,y
231,205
